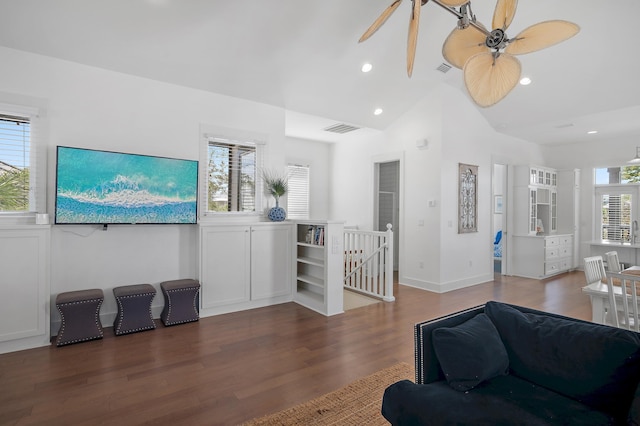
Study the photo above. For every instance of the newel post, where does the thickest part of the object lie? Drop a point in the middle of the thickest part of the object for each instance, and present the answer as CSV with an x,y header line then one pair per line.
x,y
388,266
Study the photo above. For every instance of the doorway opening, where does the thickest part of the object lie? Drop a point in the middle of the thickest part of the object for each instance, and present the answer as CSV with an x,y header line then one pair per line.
x,y
387,204
499,214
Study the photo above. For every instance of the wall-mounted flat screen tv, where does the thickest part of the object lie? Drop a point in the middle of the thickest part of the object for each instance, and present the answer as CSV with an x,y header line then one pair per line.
x,y
102,187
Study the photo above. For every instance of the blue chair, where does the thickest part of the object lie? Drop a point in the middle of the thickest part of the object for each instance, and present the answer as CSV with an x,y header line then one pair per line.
x,y
497,245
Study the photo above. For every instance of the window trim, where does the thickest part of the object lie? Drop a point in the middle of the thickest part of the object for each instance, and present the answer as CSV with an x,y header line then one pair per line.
x,y
238,137
308,190
38,201
615,189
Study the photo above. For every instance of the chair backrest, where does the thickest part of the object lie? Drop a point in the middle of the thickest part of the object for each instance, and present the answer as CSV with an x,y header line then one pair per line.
x,y
628,297
613,263
594,269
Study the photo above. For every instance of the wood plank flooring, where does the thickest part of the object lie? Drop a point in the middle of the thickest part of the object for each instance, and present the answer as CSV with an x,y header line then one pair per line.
x,y
227,369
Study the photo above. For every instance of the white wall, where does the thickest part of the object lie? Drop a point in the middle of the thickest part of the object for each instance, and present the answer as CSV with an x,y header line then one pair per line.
x,y
100,109
602,151
94,108
456,133
316,155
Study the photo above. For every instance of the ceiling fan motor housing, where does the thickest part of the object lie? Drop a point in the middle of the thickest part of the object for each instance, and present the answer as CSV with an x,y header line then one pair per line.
x,y
497,39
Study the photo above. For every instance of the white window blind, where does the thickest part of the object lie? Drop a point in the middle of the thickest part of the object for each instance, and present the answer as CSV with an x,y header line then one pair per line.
x,y
21,160
298,194
231,176
616,217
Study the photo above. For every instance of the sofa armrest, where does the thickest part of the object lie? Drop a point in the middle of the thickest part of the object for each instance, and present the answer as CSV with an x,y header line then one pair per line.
x,y
427,366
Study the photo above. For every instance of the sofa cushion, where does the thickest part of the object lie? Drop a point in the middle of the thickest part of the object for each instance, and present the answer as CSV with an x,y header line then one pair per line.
x,y
595,364
470,353
504,400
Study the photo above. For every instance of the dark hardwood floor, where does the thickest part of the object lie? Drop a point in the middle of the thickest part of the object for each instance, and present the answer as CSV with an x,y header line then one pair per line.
x,y
227,369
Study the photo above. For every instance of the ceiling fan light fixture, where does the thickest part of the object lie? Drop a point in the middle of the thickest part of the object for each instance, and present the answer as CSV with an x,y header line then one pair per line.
x,y
486,57
636,159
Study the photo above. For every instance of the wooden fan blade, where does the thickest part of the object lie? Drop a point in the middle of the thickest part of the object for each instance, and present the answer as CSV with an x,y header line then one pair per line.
x,y
413,36
541,35
489,80
453,3
381,20
463,44
504,13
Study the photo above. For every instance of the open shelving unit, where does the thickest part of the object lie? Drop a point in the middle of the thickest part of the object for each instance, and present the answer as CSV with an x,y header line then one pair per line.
x,y
319,267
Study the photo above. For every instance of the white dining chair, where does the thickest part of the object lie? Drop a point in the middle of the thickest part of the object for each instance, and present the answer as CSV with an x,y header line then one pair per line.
x,y
594,269
595,273
627,317
613,263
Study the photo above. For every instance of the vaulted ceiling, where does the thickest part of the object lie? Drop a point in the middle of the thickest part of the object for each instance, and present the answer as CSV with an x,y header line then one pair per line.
x,y
304,56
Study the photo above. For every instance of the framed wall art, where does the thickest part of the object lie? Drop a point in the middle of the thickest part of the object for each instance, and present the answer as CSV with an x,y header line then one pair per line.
x,y
497,204
467,198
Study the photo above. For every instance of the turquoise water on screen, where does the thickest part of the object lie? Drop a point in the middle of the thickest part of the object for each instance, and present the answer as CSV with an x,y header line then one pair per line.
x,y
108,187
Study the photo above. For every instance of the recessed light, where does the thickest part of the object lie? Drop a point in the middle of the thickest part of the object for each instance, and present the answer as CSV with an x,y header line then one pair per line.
x,y
377,111
366,67
525,81
592,132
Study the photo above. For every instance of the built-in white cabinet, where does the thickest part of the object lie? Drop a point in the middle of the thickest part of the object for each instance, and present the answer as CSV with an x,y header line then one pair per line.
x,y
244,266
319,266
536,200
544,221
542,256
24,279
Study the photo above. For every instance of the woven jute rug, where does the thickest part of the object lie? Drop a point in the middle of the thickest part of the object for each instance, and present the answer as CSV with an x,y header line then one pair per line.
x,y
358,403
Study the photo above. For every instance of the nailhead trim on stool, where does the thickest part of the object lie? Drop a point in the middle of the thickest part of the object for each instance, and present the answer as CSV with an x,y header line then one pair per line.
x,y
134,308
80,316
180,301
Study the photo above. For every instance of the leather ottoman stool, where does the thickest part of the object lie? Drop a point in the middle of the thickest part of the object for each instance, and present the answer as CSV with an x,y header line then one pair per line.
x,y
134,308
80,314
180,301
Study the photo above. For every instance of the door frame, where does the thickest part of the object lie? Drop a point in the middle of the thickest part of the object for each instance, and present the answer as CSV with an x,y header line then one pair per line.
x,y
375,166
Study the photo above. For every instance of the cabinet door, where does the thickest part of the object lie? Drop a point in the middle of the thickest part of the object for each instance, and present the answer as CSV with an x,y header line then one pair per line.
x,y
270,261
24,276
533,210
225,269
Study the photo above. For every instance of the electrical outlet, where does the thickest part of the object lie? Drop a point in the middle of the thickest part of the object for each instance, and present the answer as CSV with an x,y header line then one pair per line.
x,y
470,263
421,265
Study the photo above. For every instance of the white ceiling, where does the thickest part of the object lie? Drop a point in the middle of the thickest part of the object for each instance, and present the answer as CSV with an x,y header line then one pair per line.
x,y
304,56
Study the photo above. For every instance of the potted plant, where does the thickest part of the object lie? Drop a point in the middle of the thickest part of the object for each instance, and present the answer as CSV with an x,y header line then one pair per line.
x,y
277,185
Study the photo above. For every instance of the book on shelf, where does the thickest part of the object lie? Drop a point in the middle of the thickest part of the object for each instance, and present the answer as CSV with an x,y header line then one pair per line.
x,y
315,235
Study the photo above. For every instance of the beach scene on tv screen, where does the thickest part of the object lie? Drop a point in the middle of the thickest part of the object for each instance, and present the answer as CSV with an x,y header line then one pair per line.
x,y
100,187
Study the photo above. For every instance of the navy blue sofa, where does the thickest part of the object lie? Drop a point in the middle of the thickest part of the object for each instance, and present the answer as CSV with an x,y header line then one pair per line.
x,y
501,364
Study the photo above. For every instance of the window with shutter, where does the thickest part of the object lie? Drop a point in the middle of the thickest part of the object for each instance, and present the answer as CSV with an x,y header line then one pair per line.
x,y
616,217
22,161
231,176
298,193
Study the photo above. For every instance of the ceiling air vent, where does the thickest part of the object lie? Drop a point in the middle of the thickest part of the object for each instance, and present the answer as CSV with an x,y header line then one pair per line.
x,y
443,68
564,126
340,128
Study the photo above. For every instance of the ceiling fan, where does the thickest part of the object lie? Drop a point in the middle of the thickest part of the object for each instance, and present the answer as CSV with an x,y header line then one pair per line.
x,y
487,58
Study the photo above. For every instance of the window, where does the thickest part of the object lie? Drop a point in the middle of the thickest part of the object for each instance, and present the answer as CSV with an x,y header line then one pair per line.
x,y
15,164
298,194
616,194
231,176
617,175
616,217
